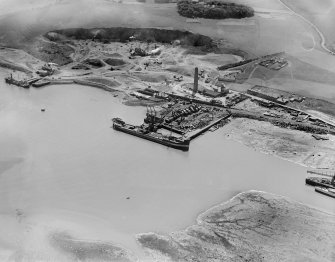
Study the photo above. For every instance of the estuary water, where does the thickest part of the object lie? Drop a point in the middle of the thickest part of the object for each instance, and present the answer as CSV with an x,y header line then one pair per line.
x,y
66,169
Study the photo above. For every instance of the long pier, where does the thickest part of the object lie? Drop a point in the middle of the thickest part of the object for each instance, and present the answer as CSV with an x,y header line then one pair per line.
x,y
198,132
322,172
33,80
173,129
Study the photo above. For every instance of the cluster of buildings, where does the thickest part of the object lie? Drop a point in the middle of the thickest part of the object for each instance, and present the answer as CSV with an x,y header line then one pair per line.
x,y
47,69
213,92
274,63
150,94
229,76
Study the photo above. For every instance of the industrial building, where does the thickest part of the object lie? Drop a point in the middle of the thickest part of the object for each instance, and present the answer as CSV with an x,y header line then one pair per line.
x,y
217,91
268,93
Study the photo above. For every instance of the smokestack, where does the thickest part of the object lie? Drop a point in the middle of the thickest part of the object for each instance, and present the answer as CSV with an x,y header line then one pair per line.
x,y
195,85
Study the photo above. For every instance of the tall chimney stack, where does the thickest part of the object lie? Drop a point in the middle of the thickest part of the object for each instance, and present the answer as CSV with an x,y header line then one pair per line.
x,y
195,85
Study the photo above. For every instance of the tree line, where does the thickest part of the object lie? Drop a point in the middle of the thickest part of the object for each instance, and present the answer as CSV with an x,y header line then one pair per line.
x,y
213,10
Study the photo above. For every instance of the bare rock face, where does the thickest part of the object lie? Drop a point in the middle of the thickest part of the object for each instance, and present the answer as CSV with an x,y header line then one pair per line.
x,y
253,226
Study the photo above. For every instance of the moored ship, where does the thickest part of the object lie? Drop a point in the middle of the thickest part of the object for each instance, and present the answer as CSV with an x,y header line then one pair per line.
x,y
22,83
143,132
321,182
326,191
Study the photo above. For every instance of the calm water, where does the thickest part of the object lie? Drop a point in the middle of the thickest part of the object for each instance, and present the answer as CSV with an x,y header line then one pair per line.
x,y
67,169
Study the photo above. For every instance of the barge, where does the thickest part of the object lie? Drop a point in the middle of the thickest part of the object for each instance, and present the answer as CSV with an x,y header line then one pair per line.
x,y
142,132
326,191
320,182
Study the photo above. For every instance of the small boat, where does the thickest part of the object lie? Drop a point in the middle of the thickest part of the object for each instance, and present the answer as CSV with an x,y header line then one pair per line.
x,y
326,191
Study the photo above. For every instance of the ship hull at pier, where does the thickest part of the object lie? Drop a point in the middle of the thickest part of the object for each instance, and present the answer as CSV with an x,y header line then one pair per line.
x,y
12,81
319,182
182,145
325,191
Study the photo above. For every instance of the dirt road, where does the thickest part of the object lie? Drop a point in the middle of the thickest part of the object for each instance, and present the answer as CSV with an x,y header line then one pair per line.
x,y
322,37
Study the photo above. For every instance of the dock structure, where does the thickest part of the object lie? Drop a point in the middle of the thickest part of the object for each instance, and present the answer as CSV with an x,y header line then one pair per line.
x,y
33,80
172,129
322,172
193,134
183,117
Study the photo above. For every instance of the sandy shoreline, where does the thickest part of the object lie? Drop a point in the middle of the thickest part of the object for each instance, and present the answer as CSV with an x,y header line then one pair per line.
x,y
272,232
101,191
229,230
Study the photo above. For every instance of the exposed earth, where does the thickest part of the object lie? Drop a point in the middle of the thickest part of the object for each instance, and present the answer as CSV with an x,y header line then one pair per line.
x,y
117,55
110,63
